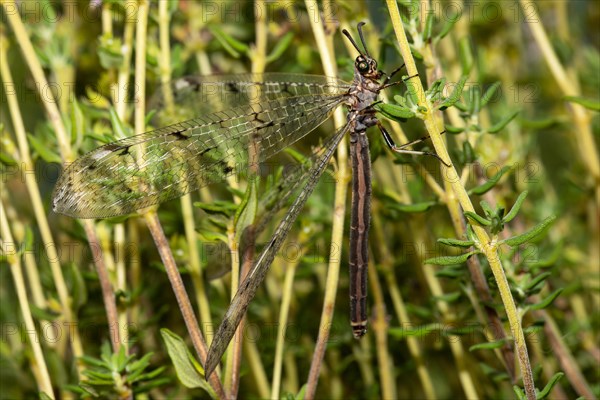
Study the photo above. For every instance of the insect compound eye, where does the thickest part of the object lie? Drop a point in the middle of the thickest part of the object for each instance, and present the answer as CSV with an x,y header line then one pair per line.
x,y
361,64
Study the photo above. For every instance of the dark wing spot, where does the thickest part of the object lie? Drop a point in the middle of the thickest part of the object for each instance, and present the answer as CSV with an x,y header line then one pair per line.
x,y
125,150
181,135
233,87
256,117
203,152
225,167
268,124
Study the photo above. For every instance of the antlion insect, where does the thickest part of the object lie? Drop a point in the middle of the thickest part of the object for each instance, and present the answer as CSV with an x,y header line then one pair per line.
x,y
151,168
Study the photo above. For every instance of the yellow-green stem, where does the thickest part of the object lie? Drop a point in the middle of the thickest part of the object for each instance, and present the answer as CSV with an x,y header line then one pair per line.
x,y
339,211
30,180
434,127
42,376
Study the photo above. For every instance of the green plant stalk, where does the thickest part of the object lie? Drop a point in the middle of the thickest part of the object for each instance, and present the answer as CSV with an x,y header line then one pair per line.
x,y
120,90
235,344
150,216
121,283
108,295
339,207
256,367
456,346
187,208
187,311
581,117
38,75
42,376
386,265
563,354
380,329
475,271
284,310
30,180
489,248
234,355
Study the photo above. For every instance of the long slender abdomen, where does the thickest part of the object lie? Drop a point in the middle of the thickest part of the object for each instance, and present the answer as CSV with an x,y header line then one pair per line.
x,y
359,230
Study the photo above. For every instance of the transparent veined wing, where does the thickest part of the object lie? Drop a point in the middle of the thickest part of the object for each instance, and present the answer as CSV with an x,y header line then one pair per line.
x,y
160,165
247,290
191,96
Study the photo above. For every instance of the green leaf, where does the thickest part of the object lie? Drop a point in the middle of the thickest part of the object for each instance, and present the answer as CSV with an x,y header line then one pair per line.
x,y
414,208
77,122
418,332
213,236
45,314
44,396
280,47
301,393
590,104
468,154
496,344
450,21
465,55
489,94
78,287
450,260
110,51
188,370
481,189
454,129
394,112
217,207
43,150
428,26
120,131
538,279
474,96
456,242
448,297
246,212
539,124
529,235
548,388
500,125
233,46
476,218
547,300
519,392
456,93
515,208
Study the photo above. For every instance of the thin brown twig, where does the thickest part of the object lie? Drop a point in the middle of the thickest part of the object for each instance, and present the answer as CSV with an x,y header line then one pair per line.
x,y
187,312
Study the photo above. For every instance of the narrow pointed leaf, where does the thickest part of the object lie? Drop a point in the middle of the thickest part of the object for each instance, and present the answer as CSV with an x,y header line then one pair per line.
x,y
394,112
188,370
487,186
529,235
414,208
500,125
456,242
515,208
590,104
43,150
489,94
456,93
548,388
477,218
280,47
450,260
547,300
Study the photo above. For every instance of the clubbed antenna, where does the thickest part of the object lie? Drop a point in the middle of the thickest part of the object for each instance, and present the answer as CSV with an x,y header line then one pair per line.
x,y
362,39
